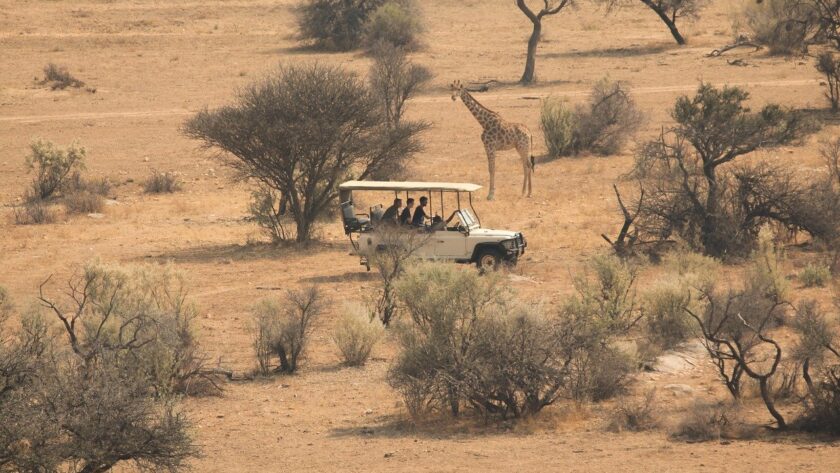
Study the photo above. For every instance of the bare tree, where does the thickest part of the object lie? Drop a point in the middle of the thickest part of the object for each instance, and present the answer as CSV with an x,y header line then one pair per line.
x,y
735,329
302,132
398,246
550,7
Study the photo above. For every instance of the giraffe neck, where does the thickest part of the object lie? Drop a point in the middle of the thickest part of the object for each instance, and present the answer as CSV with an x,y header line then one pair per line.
x,y
482,114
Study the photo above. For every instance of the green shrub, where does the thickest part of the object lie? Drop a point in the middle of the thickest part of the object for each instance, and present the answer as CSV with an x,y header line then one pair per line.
x,y
53,166
666,322
355,336
559,123
601,126
162,182
395,22
815,275
335,24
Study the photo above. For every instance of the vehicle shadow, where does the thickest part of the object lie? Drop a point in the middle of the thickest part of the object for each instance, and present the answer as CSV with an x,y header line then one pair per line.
x,y
350,276
227,253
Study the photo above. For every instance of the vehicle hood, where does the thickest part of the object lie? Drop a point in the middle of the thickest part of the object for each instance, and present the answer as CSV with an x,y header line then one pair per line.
x,y
491,233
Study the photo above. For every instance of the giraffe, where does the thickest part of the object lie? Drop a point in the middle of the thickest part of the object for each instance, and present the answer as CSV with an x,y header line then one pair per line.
x,y
498,135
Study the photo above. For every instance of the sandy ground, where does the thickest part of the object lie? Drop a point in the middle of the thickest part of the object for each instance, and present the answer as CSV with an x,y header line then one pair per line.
x,y
155,62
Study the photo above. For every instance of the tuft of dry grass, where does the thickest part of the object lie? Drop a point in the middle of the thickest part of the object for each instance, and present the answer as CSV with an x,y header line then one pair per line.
x,y
84,202
34,212
59,78
355,336
162,183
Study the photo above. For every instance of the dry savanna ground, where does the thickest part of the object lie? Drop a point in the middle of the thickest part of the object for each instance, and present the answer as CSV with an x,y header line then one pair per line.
x,y
153,62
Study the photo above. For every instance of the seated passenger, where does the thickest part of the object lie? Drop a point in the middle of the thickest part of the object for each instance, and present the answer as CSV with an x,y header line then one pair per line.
x,y
420,217
438,224
391,213
405,216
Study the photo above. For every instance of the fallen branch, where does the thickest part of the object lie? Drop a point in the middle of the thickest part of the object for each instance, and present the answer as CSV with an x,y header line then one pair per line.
x,y
739,44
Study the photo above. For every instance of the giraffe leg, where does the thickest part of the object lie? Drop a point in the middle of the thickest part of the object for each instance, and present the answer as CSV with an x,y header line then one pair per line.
x,y
524,155
491,167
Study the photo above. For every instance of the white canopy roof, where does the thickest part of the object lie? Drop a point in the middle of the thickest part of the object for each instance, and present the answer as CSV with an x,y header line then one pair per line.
x,y
409,186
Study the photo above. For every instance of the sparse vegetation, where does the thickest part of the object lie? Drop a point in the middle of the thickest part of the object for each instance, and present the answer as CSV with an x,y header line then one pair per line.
x,y
815,275
83,202
34,212
299,132
59,78
282,328
53,166
601,126
706,422
635,415
355,336
162,182
666,322
398,248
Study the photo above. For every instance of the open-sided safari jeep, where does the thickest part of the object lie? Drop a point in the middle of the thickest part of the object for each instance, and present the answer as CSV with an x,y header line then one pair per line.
x,y
460,238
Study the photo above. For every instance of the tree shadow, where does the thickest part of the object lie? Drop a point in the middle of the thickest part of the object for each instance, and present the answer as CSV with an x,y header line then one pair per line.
x,y
630,51
228,253
823,115
395,427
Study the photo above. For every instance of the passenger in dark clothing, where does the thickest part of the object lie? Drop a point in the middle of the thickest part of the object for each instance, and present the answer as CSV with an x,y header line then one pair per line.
x,y
391,213
420,217
405,216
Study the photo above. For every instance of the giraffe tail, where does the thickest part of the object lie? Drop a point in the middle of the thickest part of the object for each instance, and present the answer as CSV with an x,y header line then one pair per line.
x,y
533,164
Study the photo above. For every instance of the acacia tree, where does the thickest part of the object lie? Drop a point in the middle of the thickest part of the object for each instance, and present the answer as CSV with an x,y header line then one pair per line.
x,y
302,131
685,191
669,11
550,7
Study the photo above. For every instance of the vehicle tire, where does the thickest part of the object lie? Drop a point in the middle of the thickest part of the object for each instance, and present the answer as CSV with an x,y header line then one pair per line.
x,y
488,259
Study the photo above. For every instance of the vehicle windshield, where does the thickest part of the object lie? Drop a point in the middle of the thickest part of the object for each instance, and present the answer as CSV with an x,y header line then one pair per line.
x,y
467,219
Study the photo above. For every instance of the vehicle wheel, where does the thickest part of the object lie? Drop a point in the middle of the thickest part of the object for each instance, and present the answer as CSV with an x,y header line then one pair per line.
x,y
488,260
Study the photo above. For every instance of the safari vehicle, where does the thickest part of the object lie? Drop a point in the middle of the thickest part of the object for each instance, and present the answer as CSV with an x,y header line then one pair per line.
x,y
460,239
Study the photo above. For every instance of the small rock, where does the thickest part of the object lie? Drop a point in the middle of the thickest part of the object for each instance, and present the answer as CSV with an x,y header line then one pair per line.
x,y
368,412
389,454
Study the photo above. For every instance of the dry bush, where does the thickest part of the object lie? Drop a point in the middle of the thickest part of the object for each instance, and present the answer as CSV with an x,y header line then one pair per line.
x,y
830,68
53,166
396,251
355,336
666,323
34,212
162,182
815,275
92,397
283,328
84,202
784,26
602,126
268,211
635,415
706,422
300,131
692,268
395,22
78,183
468,343
58,77
818,353
144,311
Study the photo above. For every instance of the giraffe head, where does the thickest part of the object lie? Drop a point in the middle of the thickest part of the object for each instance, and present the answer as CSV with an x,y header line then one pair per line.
x,y
456,88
